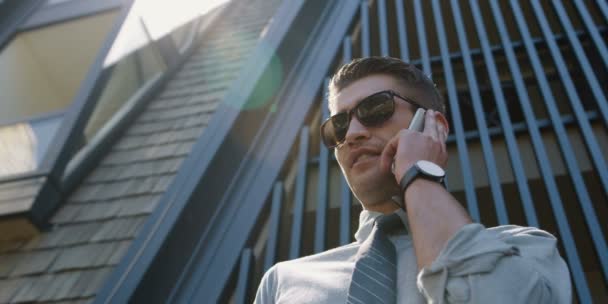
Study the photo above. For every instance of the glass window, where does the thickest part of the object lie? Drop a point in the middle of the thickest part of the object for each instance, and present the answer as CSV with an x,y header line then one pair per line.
x,y
40,73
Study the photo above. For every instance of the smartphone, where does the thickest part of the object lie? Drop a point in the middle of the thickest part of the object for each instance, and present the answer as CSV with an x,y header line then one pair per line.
x,y
417,123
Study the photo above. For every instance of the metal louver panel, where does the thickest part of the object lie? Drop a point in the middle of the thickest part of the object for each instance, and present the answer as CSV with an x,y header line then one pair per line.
x,y
525,86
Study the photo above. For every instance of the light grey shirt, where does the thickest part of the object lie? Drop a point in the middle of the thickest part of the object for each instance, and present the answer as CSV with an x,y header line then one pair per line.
x,y
505,264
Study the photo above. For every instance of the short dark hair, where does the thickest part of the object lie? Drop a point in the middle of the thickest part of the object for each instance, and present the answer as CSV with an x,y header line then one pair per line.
x,y
402,71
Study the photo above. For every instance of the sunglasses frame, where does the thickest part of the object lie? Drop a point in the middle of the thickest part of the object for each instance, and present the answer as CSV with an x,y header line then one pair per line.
x,y
352,112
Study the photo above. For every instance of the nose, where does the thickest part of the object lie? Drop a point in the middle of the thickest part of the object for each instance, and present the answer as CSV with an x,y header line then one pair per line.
x,y
356,132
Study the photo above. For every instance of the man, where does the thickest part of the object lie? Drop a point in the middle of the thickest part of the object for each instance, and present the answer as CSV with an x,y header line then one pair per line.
x,y
440,255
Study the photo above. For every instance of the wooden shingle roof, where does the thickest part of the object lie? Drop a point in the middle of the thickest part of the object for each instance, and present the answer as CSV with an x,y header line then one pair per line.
x,y
91,232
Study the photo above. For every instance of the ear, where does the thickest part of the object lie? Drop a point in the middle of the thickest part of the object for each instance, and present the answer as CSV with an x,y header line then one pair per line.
x,y
443,120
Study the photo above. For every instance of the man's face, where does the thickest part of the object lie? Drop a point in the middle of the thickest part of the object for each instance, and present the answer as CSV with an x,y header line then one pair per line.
x,y
359,156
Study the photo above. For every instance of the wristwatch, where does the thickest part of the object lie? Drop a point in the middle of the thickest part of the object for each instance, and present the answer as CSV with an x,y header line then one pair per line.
x,y
423,169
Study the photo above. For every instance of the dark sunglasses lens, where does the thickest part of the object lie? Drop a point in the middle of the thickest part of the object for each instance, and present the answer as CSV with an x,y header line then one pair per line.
x,y
376,109
334,130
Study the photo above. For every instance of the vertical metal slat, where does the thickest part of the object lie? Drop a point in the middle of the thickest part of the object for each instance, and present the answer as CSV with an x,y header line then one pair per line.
x,y
382,24
465,164
560,132
345,205
275,222
592,30
321,212
424,51
588,135
347,52
345,202
584,63
300,195
244,280
486,144
518,170
402,31
365,48
603,8
545,167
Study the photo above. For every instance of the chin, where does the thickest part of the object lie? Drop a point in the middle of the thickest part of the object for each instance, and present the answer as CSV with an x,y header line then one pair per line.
x,y
373,188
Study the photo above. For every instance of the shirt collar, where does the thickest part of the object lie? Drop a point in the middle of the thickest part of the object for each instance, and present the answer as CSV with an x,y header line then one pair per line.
x,y
366,223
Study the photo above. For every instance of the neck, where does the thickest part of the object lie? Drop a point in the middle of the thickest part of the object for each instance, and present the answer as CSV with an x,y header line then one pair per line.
x,y
385,207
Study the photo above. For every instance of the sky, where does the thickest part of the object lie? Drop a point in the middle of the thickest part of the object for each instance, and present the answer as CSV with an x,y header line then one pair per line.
x,y
160,17
163,16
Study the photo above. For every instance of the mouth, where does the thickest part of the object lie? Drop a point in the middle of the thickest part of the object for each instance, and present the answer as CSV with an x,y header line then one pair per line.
x,y
361,157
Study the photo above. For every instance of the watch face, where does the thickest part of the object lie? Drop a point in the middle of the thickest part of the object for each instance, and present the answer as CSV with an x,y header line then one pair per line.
x,y
430,168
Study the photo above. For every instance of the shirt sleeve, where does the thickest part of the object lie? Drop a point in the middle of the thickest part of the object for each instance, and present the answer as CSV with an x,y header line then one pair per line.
x,y
267,289
506,264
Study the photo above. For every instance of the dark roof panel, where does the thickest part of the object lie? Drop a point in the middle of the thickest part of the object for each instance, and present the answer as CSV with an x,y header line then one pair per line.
x,y
59,287
118,229
7,264
34,262
64,236
139,206
86,256
67,214
97,212
8,288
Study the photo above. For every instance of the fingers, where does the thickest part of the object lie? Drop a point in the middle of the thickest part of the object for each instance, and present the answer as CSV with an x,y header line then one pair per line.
x,y
388,154
430,125
443,149
436,128
412,146
442,133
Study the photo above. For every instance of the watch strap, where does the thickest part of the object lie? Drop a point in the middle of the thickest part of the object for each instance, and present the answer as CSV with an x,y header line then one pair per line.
x,y
414,172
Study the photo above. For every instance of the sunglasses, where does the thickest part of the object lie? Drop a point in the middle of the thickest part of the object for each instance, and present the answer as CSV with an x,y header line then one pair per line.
x,y
372,111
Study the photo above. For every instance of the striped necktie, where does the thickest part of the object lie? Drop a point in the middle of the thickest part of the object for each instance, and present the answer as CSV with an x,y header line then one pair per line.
x,y
374,278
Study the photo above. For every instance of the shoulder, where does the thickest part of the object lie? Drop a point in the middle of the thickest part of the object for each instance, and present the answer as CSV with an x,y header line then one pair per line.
x,y
523,235
521,231
336,255
506,233
531,241
339,254
305,277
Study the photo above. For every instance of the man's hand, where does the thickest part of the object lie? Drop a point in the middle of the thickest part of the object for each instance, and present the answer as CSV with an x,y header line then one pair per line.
x,y
434,215
407,147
